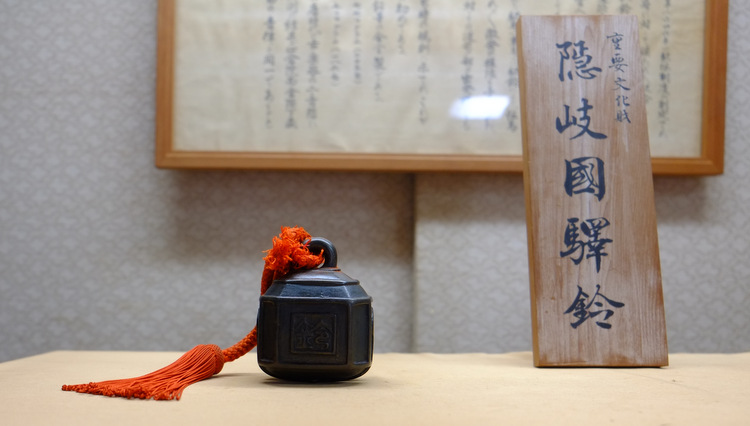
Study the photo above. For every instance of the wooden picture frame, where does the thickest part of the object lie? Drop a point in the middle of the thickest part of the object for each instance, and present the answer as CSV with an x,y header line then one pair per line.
x,y
709,161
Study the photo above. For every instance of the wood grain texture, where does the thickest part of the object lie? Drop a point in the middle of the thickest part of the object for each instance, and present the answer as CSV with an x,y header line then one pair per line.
x,y
622,206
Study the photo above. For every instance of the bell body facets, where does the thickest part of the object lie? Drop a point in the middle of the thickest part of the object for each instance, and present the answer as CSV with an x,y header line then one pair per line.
x,y
316,325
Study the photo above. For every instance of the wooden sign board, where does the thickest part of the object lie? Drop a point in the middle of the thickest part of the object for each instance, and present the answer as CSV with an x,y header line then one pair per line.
x,y
596,295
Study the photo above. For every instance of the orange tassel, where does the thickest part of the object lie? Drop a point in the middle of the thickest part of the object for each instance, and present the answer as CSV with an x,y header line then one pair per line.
x,y
199,363
203,361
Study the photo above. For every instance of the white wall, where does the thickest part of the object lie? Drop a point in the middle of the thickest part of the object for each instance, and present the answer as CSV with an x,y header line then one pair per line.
x,y
100,250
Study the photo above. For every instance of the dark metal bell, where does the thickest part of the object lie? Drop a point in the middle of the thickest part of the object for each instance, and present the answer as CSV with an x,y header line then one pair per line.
x,y
317,324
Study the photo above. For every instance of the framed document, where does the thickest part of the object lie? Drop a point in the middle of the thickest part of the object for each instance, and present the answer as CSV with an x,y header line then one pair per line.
x,y
406,85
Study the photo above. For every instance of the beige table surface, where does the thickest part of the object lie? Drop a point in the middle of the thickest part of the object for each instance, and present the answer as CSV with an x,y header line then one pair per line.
x,y
413,389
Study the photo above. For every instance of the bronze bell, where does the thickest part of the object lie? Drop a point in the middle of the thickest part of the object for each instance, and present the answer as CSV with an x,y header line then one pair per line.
x,y
316,324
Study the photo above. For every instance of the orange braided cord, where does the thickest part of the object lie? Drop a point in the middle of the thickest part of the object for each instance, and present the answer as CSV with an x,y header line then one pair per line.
x,y
287,254
203,361
242,347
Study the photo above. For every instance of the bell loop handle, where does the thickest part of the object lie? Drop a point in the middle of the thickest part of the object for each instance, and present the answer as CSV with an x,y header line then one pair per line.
x,y
316,245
